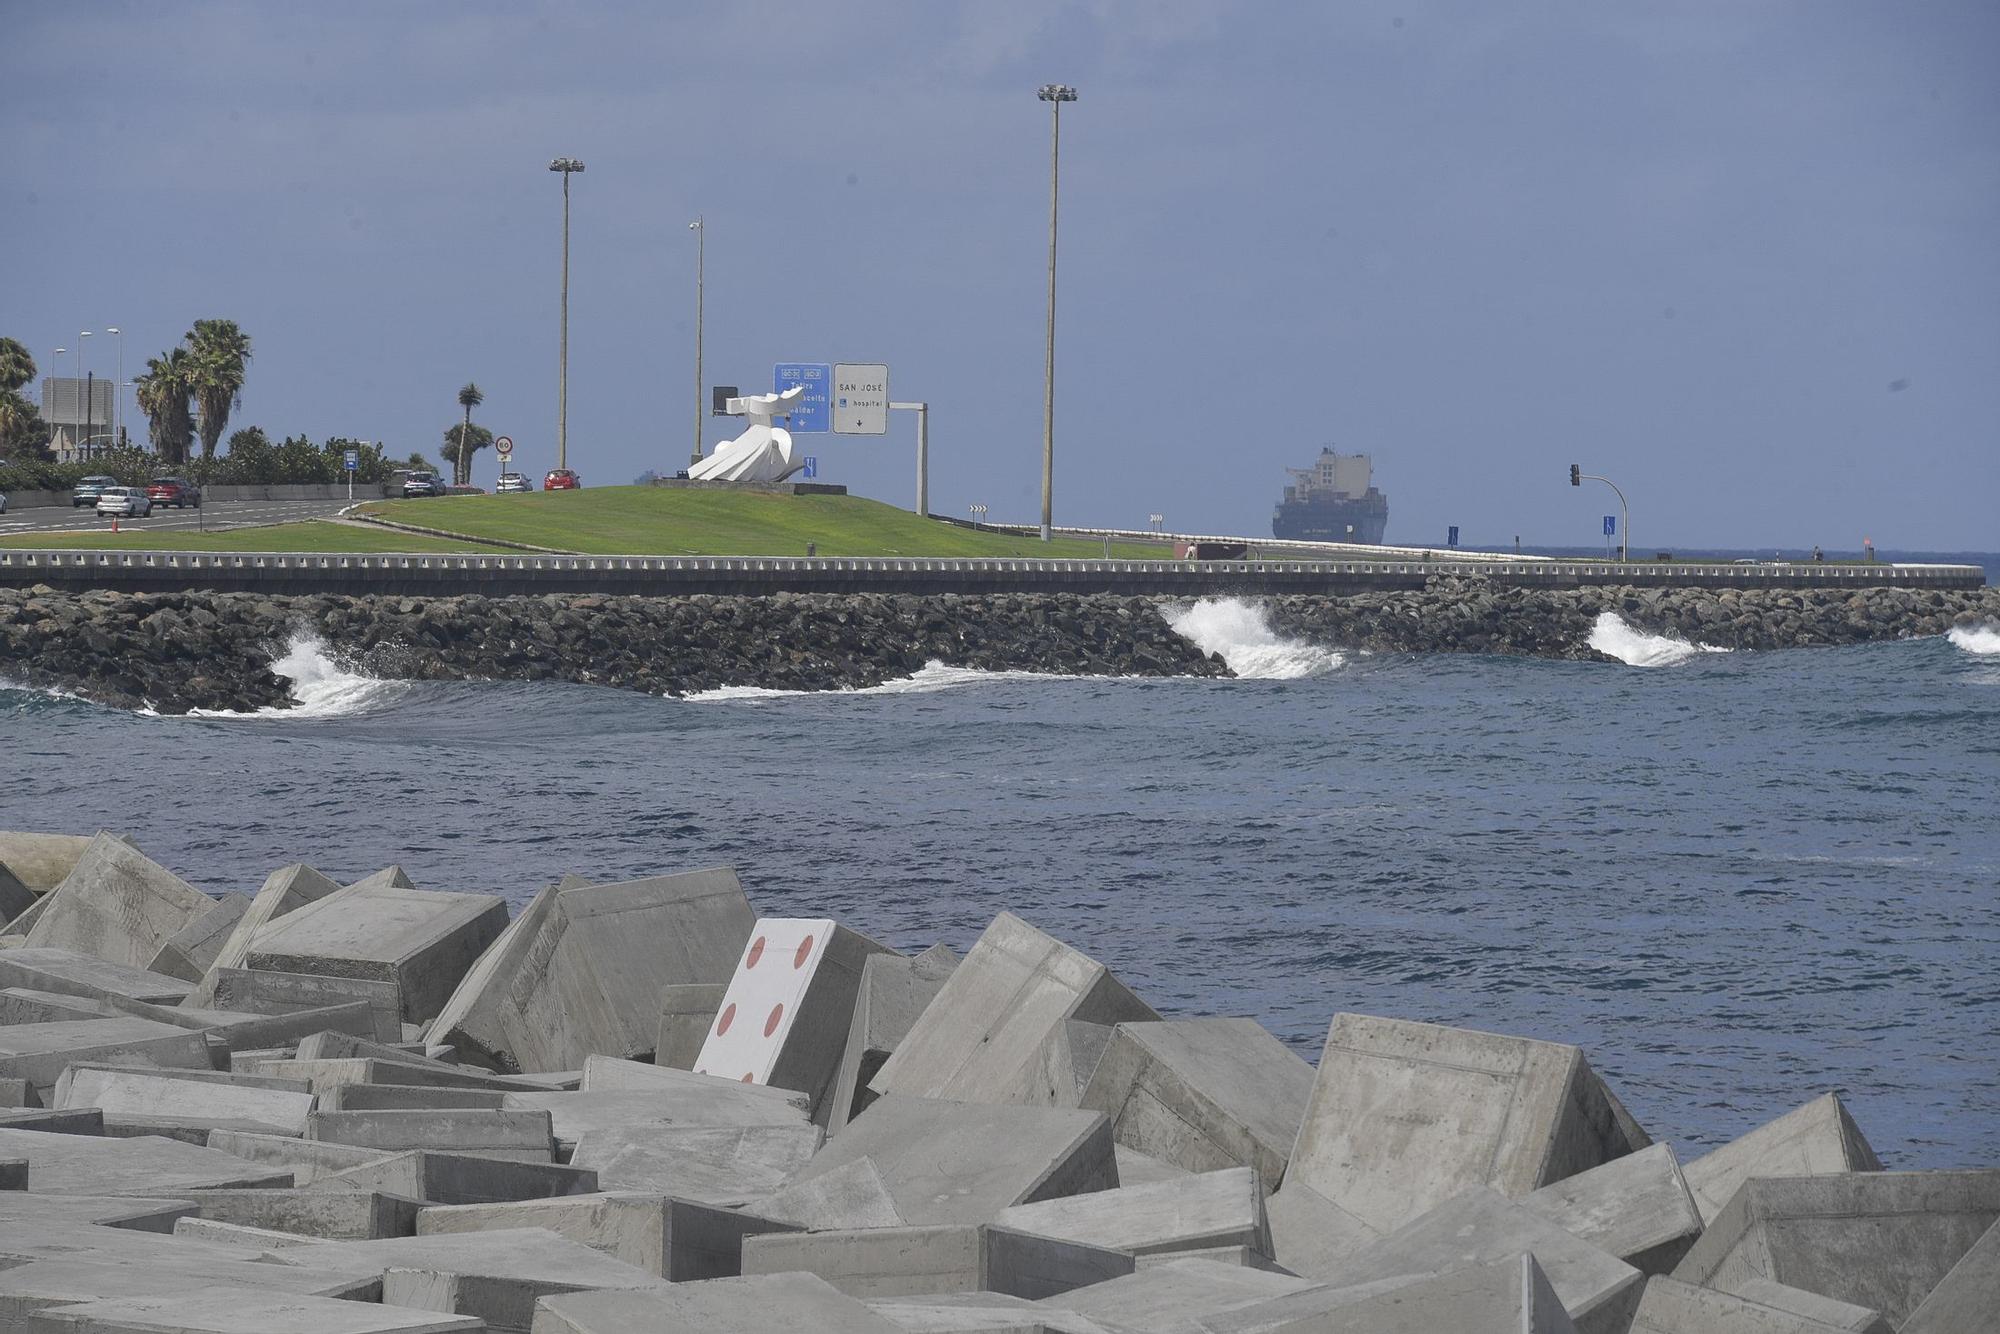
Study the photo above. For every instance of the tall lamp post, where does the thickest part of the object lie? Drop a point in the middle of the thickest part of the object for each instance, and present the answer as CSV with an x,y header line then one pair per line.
x,y
1055,94
118,390
83,431
700,231
567,166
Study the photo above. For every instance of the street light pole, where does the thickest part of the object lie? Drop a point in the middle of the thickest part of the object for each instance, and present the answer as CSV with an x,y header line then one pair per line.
x,y
1055,94
83,432
1577,477
118,391
567,166
700,230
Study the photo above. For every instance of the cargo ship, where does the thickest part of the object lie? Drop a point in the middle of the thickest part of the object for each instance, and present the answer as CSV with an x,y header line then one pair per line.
x,y
1335,500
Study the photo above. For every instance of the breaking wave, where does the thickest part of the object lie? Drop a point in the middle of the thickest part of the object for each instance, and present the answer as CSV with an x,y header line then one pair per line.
x,y
1612,637
1241,632
323,687
1982,640
932,677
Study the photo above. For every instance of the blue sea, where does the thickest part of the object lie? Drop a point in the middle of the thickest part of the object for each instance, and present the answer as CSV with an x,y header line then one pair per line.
x,y
1737,880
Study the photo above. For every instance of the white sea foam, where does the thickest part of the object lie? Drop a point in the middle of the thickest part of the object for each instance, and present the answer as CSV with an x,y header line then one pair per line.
x,y
322,686
932,677
1241,632
1983,640
1614,638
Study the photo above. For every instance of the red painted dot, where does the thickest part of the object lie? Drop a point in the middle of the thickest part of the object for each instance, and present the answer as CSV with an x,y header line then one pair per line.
x,y
805,950
771,1024
756,952
749,1079
727,1018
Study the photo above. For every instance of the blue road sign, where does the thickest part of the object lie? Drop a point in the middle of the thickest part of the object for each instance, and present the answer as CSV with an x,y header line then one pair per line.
x,y
811,469
351,460
1611,525
815,410
1451,536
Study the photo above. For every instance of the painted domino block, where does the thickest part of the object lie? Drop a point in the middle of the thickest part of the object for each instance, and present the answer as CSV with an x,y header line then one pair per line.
x,y
785,1016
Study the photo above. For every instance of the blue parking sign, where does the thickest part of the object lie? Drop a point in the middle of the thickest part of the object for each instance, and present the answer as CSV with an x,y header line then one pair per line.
x,y
811,469
1611,525
351,460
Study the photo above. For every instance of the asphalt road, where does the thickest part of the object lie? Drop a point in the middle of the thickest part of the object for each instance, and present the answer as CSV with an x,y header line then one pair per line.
x,y
215,515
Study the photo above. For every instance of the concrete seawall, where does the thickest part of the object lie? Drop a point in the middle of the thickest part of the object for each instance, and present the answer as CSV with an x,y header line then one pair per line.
x,y
527,575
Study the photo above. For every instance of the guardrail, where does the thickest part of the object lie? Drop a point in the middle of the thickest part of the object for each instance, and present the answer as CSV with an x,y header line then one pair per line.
x,y
529,573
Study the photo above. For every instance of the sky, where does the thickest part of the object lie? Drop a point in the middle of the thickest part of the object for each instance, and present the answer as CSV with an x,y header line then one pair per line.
x,y
1740,258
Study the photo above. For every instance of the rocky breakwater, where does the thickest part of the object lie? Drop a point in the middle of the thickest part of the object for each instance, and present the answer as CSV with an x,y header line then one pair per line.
x,y
1470,615
180,651
643,1106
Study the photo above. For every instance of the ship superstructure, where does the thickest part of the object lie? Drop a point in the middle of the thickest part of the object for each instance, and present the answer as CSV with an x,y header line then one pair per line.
x,y
1335,500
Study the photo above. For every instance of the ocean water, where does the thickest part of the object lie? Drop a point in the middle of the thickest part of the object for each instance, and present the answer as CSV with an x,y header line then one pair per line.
x,y
1737,880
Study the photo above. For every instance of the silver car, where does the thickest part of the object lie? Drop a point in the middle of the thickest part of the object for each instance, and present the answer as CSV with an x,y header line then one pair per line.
x,y
124,502
514,482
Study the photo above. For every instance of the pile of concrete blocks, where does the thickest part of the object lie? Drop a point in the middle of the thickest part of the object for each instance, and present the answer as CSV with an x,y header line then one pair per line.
x,y
641,1106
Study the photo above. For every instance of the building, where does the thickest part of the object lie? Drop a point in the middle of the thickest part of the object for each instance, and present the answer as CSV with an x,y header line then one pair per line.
x,y
80,413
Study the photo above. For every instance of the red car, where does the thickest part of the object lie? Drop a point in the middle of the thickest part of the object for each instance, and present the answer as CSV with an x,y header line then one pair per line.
x,y
562,479
176,491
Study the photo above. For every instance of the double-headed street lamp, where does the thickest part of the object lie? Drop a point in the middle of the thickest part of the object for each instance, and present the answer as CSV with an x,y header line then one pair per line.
x,y
1055,94
567,166
700,231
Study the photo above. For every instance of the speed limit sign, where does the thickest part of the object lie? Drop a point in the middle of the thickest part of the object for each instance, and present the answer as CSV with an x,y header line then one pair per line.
x,y
503,446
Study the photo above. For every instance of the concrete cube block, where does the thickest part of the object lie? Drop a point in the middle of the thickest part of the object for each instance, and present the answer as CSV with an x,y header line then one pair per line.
x,y
687,1012
138,1093
1817,1138
118,905
457,1178
40,862
188,952
753,1305
60,1164
786,1012
261,991
1965,1296
893,992
852,1195
1670,1306
987,1312
1880,1240
322,1215
1637,1207
305,1160
407,1098
949,1257
722,1105
236,1236
20,1005
1404,1116
677,1240
285,889
1203,1094
709,1165
584,968
39,1053
530,1254
1481,1226
523,1136
981,1039
1507,1296
950,1162
1192,1294
422,940
68,973
1310,1234
233,1310
1199,1211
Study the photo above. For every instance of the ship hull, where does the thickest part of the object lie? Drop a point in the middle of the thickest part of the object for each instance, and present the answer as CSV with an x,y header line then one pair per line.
x,y
1329,520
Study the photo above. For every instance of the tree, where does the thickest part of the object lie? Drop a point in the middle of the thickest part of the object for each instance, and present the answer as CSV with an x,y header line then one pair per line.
x,y
163,393
17,365
468,398
476,438
219,358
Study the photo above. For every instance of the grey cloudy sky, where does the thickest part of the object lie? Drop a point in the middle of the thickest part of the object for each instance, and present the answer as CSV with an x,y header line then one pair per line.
x,y
1693,246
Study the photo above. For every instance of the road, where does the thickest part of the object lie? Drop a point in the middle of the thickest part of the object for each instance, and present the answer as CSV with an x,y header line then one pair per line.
x,y
216,515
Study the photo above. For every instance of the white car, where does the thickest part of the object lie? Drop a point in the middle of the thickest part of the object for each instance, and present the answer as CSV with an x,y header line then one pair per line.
x,y
124,502
514,482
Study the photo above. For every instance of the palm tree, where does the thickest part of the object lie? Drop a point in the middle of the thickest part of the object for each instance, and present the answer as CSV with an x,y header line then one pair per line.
x,y
468,398
163,393
17,365
220,359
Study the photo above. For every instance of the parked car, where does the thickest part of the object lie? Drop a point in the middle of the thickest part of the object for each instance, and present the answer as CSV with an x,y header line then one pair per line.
x,y
423,484
562,479
514,481
88,490
176,491
124,502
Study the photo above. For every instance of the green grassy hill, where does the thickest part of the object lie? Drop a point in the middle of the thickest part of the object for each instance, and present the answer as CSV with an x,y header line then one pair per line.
x,y
666,521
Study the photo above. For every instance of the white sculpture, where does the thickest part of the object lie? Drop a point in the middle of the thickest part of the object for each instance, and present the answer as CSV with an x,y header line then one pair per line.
x,y
763,453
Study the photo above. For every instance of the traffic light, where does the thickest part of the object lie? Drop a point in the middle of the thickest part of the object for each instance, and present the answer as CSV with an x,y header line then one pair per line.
x,y
1575,475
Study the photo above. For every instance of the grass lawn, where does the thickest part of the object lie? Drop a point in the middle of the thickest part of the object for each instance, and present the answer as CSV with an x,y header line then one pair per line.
x,y
311,536
661,521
